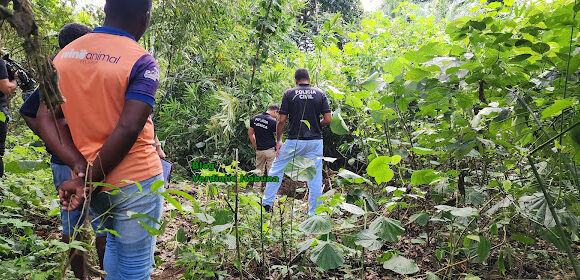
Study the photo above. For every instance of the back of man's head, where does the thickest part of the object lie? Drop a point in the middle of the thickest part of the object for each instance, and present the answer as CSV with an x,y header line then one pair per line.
x,y
128,10
274,107
301,74
71,32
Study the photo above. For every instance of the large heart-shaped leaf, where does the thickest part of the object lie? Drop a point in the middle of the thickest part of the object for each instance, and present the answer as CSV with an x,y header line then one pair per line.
x,y
338,126
300,169
317,224
387,229
327,256
352,208
537,208
368,240
380,169
352,177
371,82
425,176
401,265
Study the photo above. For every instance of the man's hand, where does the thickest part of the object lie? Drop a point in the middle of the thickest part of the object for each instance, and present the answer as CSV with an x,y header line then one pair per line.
x,y
72,194
278,147
160,152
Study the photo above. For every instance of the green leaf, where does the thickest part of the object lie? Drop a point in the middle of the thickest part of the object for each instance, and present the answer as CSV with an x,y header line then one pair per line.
x,y
181,236
2,117
479,25
538,210
317,224
172,201
416,74
380,170
394,66
432,276
471,277
371,83
387,229
352,208
352,177
25,166
338,126
464,212
300,169
401,265
523,239
205,218
422,151
307,123
520,58
540,47
368,240
420,218
425,176
557,108
157,185
327,256
483,248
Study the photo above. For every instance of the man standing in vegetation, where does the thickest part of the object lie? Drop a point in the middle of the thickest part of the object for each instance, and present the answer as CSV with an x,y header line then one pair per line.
x,y
109,82
60,171
261,133
303,106
7,87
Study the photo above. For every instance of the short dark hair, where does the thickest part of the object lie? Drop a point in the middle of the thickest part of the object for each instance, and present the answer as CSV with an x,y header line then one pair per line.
x,y
71,32
128,10
274,107
301,74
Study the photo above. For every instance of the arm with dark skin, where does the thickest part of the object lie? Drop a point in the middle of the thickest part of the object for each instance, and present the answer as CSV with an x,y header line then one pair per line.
x,y
8,86
133,118
280,127
252,136
64,148
326,119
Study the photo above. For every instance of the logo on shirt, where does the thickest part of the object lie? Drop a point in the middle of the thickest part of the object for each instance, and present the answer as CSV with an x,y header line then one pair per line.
x,y
152,74
259,122
304,93
92,57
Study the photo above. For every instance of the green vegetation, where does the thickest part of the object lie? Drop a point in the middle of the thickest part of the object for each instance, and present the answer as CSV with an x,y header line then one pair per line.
x,y
453,151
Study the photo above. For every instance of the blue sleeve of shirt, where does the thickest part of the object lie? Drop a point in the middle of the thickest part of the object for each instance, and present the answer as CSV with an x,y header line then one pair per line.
x,y
30,106
144,80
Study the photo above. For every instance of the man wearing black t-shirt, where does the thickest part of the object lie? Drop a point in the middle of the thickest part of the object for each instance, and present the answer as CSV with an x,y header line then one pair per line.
x,y
261,133
303,106
7,86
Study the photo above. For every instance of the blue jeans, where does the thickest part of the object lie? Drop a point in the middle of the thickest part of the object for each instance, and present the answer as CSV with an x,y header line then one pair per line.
x,y
75,218
305,148
130,254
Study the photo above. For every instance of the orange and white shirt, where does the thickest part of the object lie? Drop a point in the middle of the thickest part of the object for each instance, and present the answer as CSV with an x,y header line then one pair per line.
x,y
98,72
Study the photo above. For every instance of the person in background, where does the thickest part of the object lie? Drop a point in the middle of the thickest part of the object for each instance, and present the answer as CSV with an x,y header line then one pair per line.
x,y
7,87
109,82
261,132
60,171
303,106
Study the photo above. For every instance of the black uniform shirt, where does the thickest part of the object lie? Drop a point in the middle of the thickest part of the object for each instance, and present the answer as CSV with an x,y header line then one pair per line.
x,y
304,105
264,128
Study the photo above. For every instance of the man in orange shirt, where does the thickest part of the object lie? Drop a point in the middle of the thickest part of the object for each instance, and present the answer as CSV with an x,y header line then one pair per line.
x,y
109,83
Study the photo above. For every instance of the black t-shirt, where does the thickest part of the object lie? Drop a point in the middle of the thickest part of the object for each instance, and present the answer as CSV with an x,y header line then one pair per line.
x,y
304,103
3,75
264,128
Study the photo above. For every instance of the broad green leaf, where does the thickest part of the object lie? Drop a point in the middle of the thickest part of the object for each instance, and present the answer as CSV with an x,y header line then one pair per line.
x,y
371,82
557,108
338,126
387,229
416,74
327,256
471,277
181,236
541,47
368,240
379,168
24,166
537,208
425,176
336,93
172,201
483,248
352,208
205,218
432,276
521,57
401,265
317,224
157,185
300,169
523,239
422,151
464,212
479,25
2,117
394,66
420,218
352,177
